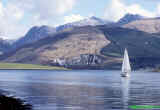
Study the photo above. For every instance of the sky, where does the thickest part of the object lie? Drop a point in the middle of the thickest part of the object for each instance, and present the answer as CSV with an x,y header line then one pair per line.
x,y
18,16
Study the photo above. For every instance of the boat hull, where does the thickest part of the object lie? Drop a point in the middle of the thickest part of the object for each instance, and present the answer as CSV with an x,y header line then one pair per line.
x,y
125,75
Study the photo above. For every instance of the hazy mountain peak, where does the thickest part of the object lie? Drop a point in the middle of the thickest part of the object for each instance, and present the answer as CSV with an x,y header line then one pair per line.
x,y
91,21
41,28
133,15
129,18
99,20
34,34
93,17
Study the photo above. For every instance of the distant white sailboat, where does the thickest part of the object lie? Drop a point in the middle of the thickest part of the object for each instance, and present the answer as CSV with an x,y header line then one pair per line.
x,y
126,68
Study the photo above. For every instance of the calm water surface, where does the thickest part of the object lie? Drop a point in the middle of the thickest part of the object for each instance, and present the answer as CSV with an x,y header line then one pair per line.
x,y
82,90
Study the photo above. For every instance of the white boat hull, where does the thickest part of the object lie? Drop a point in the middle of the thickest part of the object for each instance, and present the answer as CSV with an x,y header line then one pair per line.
x,y
125,75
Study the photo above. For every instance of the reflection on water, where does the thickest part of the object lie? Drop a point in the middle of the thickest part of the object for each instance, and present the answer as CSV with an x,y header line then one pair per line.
x,y
125,83
82,90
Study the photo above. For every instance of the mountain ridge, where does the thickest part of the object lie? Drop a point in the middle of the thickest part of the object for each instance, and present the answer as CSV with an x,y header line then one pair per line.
x,y
104,45
91,21
129,18
81,46
150,25
34,34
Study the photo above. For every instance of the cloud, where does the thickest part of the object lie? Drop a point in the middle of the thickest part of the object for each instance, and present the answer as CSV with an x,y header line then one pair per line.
x,y
117,9
1,9
10,10
20,15
46,8
10,15
73,18
64,5
158,9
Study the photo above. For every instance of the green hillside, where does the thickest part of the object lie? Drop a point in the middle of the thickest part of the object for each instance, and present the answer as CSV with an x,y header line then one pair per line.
x,y
28,66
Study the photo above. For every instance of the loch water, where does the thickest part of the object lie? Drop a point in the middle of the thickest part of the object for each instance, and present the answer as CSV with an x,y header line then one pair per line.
x,y
81,89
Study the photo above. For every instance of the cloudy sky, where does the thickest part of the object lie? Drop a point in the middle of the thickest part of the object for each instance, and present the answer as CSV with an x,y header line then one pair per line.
x,y
18,16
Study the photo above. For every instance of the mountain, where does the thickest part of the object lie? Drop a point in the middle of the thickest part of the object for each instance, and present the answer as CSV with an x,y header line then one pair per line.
x,y
144,43
10,41
142,47
100,45
5,46
34,34
150,25
129,18
92,21
68,45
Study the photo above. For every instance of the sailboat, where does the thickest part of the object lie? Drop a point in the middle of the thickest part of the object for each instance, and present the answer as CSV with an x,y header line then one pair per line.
x,y
126,67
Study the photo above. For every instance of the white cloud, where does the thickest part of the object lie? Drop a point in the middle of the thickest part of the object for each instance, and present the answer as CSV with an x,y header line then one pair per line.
x,y
117,9
1,9
64,5
10,10
17,16
158,9
10,15
73,18
46,8
137,9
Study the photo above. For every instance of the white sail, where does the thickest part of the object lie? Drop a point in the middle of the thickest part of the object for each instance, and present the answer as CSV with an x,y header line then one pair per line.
x,y
126,68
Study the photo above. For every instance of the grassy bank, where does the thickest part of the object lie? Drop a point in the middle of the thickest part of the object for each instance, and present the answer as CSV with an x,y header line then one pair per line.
x,y
28,66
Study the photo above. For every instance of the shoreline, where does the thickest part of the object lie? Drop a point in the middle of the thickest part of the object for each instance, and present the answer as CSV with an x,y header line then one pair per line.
x,y
20,66
36,69
13,103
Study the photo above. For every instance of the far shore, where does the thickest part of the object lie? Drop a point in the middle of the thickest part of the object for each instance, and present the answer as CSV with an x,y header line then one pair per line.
x,y
19,66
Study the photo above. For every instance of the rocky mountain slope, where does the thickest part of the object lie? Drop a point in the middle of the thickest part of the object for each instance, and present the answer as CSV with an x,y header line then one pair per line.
x,y
145,44
91,43
100,45
142,47
37,33
34,34
129,18
150,25
64,45
4,46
